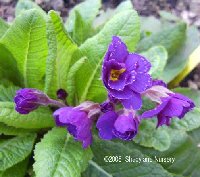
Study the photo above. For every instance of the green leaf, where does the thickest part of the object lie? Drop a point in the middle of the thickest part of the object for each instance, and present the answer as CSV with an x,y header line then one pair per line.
x,y
8,61
71,81
23,5
101,149
177,63
40,118
8,130
189,122
17,170
59,155
3,27
158,57
168,16
51,84
150,136
124,5
15,150
61,49
82,30
126,25
183,149
171,38
104,16
150,24
195,134
87,15
8,93
26,40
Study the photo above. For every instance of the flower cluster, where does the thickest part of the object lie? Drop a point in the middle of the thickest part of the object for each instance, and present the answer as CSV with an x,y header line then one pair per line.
x,y
125,76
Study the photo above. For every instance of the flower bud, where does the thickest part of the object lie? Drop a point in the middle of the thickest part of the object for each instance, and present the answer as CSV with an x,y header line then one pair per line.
x,y
27,100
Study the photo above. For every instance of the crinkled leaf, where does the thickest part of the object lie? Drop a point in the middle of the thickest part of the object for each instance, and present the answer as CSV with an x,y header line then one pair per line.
x,y
189,122
40,118
101,149
23,5
26,40
8,130
185,151
104,16
88,10
17,170
177,63
51,83
171,38
124,24
82,30
61,48
168,16
3,27
124,5
7,93
158,57
8,61
58,155
150,25
149,136
15,150
71,81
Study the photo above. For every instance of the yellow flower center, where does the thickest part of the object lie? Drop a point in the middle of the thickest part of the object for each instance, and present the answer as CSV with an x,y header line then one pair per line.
x,y
114,74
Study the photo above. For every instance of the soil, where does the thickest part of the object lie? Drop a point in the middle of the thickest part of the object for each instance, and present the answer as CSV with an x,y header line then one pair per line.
x,y
188,10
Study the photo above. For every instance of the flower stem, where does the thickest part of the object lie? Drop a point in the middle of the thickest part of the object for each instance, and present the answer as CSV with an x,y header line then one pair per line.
x,y
57,103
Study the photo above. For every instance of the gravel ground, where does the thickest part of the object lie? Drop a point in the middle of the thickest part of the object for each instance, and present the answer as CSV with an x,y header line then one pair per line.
x,y
188,10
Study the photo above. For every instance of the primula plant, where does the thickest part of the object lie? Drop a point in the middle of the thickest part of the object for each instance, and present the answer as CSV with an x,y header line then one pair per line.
x,y
97,95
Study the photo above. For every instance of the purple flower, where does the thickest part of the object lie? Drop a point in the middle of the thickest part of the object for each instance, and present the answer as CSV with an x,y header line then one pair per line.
x,y
125,75
175,105
28,100
112,125
78,121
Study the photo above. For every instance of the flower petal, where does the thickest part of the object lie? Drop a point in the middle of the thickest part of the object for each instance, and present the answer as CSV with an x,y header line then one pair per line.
x,y
156,110
124,123
106,70
173,108
141,83
117,50
126,93
119,84
105,125
126,127
137,62
163,120
157,82
60,114
134,102
184,98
